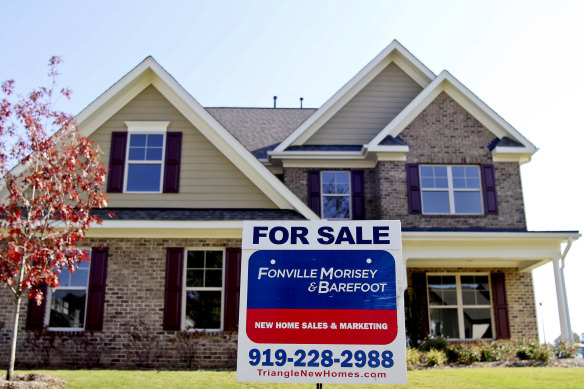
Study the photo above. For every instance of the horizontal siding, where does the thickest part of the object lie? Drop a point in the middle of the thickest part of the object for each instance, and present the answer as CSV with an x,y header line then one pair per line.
x,y
361,119
208,179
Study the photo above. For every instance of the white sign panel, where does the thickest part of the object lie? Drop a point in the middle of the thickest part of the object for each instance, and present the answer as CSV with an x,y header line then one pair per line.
x,y
322,302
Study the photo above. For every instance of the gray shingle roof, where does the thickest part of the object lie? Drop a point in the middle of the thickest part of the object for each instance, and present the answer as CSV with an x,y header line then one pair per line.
x,y
257,128
194,214
325,148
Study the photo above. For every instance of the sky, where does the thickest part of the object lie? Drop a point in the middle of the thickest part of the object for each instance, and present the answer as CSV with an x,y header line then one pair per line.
x,y
522,58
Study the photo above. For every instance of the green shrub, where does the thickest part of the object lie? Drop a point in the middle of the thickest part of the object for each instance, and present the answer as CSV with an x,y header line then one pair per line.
x,y
434,357
534,351
466,353
413,358
433,342
496,350
564,350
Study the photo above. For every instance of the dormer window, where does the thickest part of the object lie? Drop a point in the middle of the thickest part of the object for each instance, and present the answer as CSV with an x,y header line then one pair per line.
x,y
145,162
450,190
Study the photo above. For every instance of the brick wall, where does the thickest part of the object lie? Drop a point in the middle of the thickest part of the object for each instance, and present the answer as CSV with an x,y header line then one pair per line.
x,y
520,297
132,334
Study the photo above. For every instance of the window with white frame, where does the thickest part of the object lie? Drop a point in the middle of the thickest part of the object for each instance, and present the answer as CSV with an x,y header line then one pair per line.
x,y
203,292
460,306
451,190
145,156
336,194
67,303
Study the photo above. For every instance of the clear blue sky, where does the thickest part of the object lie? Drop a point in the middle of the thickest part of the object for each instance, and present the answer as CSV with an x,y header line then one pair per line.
x,y
523,58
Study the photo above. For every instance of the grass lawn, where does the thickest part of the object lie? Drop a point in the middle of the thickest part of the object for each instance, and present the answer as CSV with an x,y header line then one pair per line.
x,y
524,377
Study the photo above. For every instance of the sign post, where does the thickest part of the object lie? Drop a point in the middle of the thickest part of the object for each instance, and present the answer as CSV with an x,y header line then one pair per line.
x,y
322,302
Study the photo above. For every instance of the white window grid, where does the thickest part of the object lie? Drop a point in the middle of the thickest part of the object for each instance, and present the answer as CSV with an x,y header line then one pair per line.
x,y
451,191
460,306
49,299
144,162
203,288
349,195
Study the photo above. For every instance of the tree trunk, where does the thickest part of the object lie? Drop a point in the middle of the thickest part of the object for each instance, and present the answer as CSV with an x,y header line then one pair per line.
x,y
14,337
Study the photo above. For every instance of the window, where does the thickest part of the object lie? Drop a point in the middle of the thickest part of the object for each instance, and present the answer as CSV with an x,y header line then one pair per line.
x,y
451,190
336,195
203,292
68,301
145,156
460,306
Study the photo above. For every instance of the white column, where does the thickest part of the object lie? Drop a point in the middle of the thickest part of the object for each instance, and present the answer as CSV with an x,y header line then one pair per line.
x,y
562,302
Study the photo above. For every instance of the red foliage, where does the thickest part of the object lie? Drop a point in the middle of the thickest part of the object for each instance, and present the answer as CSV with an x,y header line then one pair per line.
x,y
47,197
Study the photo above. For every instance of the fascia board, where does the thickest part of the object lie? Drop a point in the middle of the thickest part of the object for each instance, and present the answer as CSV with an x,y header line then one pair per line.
x,y
227,144
555,236
388,149
394,52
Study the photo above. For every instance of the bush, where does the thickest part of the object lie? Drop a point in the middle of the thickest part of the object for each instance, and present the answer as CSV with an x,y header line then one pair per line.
x,y
413,358
564,350
434,357
466,353
534,351
433,342
495,350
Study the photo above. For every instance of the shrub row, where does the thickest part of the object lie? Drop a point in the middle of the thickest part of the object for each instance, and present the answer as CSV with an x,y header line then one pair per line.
x,y
437,352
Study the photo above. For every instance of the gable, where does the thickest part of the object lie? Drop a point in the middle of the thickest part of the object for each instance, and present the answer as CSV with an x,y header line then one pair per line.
x,y
368,112
208,178
444,132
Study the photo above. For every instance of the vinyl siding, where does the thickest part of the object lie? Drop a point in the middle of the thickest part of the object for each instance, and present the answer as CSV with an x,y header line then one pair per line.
x,y
370,110
207,178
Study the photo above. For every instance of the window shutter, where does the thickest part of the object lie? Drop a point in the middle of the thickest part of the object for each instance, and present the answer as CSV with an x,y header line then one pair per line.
x,y
232,276
35,316
314,191
358,194
96,289
172,162
489,192
500,305
173,289
421,306
115,182
414,195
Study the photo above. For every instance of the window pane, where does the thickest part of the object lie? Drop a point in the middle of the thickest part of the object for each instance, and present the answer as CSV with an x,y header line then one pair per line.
x,y
444,322
143,178
213,278
138,140
67,309
137,154
435,202
336,207
203,310
465,177
196,259
475,290
195,277
155,140
328,182
434,177
467,202
154,154
477,323
214,259
442,290
79,277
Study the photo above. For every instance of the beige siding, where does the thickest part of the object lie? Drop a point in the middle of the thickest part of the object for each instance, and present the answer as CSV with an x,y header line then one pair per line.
x,y
207,178
370,110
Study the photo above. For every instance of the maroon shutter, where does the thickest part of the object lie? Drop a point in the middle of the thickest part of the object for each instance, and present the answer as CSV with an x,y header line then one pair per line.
x,y
414,195
358,194
172,162
314,191
115,181
419,286
35,316
489,192
96,289
500,305
173,289
232,276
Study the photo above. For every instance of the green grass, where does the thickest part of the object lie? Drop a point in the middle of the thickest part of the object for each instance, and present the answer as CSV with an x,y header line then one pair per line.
x,y
524,377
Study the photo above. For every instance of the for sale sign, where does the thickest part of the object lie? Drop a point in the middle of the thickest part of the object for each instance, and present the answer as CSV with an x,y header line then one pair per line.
x,y
322,302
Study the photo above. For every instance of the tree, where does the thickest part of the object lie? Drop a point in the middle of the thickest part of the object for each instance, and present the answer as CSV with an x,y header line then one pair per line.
x,y
47,197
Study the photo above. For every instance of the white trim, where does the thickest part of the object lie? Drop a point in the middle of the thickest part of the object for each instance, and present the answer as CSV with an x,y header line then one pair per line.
x,y
148,127
445,82
394,52
211,289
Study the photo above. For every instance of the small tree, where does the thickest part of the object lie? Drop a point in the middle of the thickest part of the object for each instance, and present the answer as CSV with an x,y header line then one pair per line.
x,y
47,197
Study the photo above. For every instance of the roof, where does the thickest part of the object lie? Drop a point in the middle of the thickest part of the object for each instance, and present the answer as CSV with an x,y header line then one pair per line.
x,y
197,214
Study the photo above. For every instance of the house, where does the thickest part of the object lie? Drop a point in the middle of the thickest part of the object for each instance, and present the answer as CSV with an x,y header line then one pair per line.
x,y
395,142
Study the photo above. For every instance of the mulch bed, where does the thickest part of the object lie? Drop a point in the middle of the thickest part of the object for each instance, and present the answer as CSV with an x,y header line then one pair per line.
x,y
566,362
